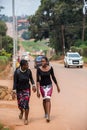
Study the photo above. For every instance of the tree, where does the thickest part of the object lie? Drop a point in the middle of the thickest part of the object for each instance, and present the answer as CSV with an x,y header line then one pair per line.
x,y
1,7
3,28
62,19
7,44
26,35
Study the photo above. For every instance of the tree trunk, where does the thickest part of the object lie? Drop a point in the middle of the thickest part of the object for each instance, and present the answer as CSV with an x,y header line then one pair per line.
x,y
63,39
0,42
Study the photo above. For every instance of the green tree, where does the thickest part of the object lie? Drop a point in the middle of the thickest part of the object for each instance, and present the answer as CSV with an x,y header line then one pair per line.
x,y
61,19
3,28
7,44
26,35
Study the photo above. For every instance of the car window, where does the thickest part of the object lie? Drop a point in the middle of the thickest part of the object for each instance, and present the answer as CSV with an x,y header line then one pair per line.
x,y
73,55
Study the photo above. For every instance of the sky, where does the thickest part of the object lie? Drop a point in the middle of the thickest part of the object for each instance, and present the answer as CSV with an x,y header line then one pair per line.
x,y
22,7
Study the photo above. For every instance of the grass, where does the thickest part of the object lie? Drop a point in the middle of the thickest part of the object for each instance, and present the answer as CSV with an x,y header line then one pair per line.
x,y
3,62
3,58
35,46
3,128
85,59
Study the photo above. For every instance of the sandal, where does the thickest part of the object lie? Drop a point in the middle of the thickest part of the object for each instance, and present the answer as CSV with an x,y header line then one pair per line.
x,y
25,122
48,119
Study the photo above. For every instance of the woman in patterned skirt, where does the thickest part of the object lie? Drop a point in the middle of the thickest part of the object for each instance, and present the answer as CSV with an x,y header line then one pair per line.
x,y
21,85
44,85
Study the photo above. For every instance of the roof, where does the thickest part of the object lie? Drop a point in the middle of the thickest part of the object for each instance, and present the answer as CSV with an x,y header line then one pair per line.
x,y
23,21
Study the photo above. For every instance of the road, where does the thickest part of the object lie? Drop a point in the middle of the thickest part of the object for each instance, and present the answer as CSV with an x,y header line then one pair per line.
x,y
69,108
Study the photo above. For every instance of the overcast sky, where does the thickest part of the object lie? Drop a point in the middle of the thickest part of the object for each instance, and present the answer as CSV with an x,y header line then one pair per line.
x,y
22,7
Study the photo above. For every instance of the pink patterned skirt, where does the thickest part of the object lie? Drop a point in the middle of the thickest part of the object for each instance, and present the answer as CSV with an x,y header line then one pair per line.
x,y
46,91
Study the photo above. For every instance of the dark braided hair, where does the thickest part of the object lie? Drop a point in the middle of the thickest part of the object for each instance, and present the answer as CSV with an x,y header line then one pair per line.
x,y
23,62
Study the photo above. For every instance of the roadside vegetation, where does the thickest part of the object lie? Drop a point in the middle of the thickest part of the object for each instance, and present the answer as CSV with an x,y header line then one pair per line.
x,y
63,23
2,127
43,45
6,46
5,58
33,46
81,47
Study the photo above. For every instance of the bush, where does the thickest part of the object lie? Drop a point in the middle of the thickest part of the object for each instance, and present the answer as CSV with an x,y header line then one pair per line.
x,y
80,43
76,49
55,57
26,35
4,59
84,51
4,53
3,128
3,62
85,59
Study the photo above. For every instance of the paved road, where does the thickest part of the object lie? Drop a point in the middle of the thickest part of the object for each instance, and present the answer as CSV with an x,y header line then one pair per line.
x,y
69,108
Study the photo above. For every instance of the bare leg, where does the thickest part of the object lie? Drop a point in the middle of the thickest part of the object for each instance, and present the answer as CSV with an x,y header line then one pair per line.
x,y
44,106
26,116
48,108
21,113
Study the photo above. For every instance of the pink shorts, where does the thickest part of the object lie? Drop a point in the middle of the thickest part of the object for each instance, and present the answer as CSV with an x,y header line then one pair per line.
x,y
46,91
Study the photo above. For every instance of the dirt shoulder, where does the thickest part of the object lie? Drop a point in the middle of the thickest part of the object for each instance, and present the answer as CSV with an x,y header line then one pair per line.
x,y
7,73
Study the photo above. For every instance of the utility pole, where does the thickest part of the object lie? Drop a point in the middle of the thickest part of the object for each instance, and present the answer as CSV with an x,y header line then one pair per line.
x,y
16,39
84,13
14,42
84,7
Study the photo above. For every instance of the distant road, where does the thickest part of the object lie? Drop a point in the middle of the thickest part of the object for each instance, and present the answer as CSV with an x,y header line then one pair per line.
x,y
10,29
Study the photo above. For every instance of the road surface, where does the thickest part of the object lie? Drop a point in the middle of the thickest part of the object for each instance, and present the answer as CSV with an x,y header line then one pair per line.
x,y
69,108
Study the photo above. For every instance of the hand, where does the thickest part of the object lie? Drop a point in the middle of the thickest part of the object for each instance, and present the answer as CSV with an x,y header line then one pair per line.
x,y
34,89
13,95
38,94
58,89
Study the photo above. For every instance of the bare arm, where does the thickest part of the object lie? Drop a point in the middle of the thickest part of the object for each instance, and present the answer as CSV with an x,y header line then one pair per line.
x,y
38,83
32,82
54,79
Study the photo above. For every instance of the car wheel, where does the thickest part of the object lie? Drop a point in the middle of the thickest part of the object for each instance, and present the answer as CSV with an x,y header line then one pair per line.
x,y
64,65
81,66
68,66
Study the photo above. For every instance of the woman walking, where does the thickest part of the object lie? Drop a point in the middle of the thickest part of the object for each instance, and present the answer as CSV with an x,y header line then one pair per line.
x,y
44,85
21,86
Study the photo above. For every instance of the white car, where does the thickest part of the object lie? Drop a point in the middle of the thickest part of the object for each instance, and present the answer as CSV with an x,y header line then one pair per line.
x,y
73,59
25,56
